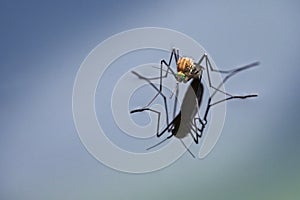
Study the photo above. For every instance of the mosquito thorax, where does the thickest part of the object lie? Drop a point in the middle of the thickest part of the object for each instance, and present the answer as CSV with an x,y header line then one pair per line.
x,y
187,69
184,63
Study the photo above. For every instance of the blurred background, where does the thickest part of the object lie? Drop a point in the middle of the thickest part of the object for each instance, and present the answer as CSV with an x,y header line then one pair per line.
x,y
42,47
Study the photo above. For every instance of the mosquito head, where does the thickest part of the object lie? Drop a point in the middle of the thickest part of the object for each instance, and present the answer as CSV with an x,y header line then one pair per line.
x,y
187,69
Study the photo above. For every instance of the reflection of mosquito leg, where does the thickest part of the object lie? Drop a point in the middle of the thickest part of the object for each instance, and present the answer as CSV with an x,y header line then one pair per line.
x,y
187,148
175,54
208,67
169,126
172,124
158,93
175,100
230,72
234,97
197,130
152,110
203,121
158,133
209,105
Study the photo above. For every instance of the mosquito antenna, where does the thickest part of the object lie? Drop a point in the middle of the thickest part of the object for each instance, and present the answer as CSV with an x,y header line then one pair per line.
x,y
187,148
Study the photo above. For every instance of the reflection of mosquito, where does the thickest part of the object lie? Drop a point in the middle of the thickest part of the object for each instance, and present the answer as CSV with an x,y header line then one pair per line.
x,y
185,122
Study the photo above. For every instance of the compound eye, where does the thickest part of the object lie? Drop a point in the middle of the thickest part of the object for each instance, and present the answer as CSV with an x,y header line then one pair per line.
x,y
180,76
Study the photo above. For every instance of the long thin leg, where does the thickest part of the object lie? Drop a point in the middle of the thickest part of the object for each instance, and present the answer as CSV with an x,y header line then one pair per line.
x,y
199,131
158,93
175,100
231,72
161,133
151,110
210,104
209,67
195,129
187,148
175,54
234,97
187,127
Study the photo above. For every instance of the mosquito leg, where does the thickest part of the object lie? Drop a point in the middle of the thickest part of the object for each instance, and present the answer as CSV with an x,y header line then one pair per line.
x,y
151,110
234,97
198,99
175,100
230,72
195,129
187,148
161,133
208,67
175,54
159,92
202,125
209,105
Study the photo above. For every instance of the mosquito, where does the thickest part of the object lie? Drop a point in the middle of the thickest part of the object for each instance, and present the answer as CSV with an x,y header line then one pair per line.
x,y
188,118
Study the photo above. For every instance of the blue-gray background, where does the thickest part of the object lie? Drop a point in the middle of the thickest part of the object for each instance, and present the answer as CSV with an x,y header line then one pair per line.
x,y
42,45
